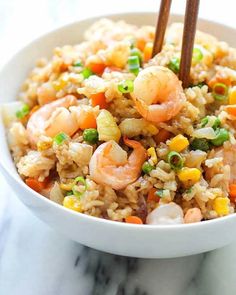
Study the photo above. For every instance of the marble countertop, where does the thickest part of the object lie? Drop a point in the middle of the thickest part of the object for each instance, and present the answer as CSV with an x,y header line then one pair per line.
x,y
36,260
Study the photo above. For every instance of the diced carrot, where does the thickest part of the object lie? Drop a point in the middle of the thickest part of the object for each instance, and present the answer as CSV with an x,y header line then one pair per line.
x,y
147,52
36,185
141,44
99,99
152,196
231,110
133,219
97,68
232,192
162,136
88,120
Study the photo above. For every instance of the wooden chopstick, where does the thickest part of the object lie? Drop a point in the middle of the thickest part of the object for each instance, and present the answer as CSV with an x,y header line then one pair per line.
x,y
190,23
162,21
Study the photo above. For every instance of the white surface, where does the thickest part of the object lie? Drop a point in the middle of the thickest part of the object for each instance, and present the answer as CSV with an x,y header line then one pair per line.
x,y
36,260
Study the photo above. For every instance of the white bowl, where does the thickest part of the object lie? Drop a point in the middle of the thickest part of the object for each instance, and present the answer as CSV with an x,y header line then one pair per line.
x,y
119,238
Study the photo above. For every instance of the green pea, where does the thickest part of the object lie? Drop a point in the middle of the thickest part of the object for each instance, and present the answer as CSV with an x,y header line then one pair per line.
x,y
90,135
222,135
87,73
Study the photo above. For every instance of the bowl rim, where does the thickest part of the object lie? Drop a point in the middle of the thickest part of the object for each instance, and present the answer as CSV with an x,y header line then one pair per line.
x,y
102,221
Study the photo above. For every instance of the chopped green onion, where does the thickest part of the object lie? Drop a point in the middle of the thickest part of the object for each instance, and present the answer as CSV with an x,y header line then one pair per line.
x,y
175,160
174,65
134,65
132,43
204,121
197,55
70,193
83,181
90,135
200,144
159,193
78,64
201,84
220,91
215,125
60,137
136,52
126,86
147,168
222,135
87,73
23,112
188,191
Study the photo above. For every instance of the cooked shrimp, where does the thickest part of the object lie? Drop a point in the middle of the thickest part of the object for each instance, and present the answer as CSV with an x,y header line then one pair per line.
x,y
158,94
193,215
109,164
227,152
170,213
46,93
52,118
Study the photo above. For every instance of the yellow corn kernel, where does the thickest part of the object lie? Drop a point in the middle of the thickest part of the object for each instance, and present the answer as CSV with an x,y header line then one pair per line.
x,y
107,127
178,143
61,82
152,129
67,186
71,202
221,206
189,175
232,95
152,153
43,145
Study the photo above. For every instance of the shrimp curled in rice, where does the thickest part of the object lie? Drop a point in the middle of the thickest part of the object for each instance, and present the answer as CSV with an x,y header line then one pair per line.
x,y
158,94
52,118
109,164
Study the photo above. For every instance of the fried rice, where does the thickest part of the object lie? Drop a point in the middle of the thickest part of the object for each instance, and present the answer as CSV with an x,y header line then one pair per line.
x,y
182,166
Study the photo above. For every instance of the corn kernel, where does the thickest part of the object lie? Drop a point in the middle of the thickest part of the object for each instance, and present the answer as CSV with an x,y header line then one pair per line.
x,y
43,145
71,202
189,175
221,206
61,82
178,143
152,153
67,186
152,129
232,95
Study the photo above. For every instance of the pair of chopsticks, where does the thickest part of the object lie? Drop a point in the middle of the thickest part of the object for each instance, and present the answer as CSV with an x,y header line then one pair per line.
x,y
190,22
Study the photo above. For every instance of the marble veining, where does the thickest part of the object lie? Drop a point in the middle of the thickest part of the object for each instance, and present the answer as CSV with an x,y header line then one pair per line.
x,y
36,260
